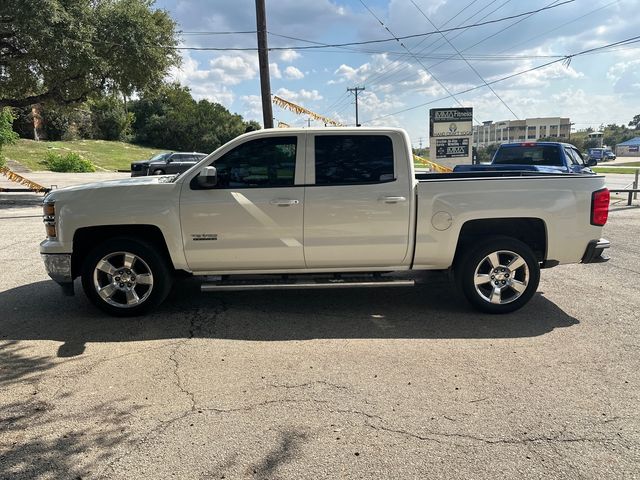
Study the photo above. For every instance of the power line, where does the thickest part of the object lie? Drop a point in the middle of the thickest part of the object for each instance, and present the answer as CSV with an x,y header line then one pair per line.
x,y
551,5
377,77
182,32
462,32
309,47
403,45
435,42
567,59
467,62
552,30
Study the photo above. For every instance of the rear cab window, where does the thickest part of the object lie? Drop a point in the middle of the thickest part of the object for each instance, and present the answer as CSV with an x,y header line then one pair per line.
x,y
353,159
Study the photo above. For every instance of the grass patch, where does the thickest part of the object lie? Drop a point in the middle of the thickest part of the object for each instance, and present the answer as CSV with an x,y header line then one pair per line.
x,y
620,170
104,154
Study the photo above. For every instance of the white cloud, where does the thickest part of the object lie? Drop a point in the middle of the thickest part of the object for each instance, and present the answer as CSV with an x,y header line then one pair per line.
x,y
203,83
541,77
289,56
252,107
292,73
274,71
300,96
233,69
625,76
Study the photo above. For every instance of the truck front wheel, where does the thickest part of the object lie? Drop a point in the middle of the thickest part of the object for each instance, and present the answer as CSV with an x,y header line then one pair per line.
x,y
499,275
125,277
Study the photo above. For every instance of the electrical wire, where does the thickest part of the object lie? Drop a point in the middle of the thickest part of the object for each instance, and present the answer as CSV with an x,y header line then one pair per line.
x,y
308,47
444,87
568,58
456,35
466,61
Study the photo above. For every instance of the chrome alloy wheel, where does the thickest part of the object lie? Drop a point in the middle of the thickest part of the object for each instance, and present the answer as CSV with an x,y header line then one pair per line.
x,y
501,277
123,279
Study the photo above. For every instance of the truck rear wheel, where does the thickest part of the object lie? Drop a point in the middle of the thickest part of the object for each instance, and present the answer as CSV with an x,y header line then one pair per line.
x,y
125,277
499,275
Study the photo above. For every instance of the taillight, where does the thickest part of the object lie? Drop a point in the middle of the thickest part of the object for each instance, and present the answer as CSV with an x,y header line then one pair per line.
x,y
600,207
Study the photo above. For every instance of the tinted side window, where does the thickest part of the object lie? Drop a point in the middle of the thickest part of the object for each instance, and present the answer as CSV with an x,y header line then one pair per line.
x,y
265,162
348,159
574,156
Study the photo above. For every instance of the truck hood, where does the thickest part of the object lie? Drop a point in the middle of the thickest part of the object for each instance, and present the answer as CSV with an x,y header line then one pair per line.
x,y
124,183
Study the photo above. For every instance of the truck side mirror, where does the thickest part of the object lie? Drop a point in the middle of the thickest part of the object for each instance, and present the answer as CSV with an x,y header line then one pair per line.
x,y
208,177
592,162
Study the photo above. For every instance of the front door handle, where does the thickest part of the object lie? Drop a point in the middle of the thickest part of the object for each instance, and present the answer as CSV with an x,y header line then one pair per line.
x,y
284,202
391,199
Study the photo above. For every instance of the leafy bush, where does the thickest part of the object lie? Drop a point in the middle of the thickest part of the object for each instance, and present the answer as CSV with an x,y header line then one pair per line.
x,y
70,162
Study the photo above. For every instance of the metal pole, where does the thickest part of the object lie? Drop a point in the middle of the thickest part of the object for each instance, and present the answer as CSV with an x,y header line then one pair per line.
x,y
263,61
635,184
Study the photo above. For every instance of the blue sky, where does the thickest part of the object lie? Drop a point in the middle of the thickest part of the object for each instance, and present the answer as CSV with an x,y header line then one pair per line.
x,y
592,89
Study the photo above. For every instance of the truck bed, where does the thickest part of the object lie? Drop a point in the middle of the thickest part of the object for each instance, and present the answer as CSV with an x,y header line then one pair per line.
x,y
448,202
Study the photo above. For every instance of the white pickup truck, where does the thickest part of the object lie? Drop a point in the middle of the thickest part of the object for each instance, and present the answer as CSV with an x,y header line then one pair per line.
x,y
320,208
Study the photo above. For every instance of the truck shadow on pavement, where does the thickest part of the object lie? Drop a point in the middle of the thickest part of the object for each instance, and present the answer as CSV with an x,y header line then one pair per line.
x,y
432,310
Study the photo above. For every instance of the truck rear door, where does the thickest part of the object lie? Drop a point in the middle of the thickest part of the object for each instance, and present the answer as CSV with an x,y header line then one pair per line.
x,y
358,200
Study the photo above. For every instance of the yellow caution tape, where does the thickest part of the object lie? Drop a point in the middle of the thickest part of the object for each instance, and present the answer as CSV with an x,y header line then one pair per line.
x,y
432,165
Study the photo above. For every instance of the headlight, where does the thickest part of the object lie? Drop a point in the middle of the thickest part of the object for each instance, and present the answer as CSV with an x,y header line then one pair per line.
x,y
49,219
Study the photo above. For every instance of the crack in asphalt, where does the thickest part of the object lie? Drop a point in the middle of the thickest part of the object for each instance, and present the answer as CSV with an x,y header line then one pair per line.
x,y
176,374
308,384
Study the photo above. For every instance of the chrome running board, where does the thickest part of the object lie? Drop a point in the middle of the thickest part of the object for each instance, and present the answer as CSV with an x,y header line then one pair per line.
x,y
306,284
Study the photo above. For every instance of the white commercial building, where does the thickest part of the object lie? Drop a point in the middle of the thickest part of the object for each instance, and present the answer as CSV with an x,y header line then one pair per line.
x,y
529,129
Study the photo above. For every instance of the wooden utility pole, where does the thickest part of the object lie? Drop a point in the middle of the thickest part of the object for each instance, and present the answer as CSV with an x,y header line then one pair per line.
x,y
355,90
263,61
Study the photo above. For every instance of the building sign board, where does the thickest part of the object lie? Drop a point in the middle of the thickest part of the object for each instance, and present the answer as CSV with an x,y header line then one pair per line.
x,y
450,132
451,129
452,147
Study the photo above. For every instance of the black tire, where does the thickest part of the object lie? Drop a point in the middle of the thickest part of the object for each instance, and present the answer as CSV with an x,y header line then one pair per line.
x,y
516,285
158,172
124,294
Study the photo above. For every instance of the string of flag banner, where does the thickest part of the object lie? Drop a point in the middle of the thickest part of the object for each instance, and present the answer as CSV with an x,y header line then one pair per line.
x,y
287,105
19,179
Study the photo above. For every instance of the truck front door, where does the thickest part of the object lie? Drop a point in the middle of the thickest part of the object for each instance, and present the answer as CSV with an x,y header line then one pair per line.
x,y
357,200
252,218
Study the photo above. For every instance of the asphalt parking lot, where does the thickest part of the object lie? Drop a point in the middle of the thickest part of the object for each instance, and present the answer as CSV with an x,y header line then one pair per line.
x,y
310,384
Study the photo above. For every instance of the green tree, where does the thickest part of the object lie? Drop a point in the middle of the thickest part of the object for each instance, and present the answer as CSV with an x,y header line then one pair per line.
x,y
485,154
63,51
7,135
109,120
170,118
635,122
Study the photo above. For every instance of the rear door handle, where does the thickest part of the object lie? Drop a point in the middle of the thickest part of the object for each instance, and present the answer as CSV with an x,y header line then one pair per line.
x,y
391,199
284,202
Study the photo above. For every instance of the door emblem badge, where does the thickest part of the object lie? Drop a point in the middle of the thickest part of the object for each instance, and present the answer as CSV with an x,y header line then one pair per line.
x,y
200,237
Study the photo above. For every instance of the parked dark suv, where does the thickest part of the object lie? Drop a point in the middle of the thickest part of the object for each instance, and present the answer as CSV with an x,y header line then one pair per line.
x,y
166,163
